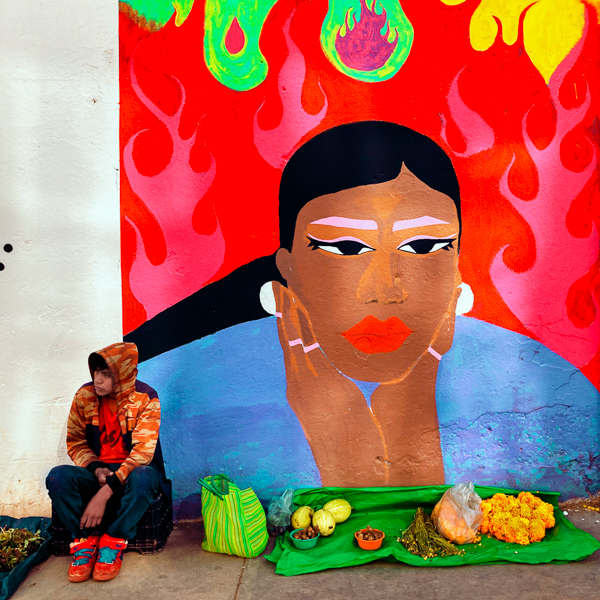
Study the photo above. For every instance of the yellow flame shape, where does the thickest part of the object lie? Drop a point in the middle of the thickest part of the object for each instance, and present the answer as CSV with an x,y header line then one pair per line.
x,y
551,28
182,8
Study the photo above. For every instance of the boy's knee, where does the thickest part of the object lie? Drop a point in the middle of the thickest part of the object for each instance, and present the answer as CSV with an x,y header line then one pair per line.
x,y
143,479
57,478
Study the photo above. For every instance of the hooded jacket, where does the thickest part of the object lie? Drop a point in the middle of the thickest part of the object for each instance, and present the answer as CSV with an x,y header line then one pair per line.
x,y
138,410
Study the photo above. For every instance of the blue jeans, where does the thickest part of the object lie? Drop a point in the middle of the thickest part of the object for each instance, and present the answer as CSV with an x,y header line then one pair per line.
x,y
71,488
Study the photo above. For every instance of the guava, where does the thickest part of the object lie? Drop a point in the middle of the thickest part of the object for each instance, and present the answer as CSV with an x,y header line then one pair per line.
x,y
324,520
302,517
339,508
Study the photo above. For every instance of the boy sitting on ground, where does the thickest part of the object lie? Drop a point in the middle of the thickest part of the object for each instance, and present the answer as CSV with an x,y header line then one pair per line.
x,y
112,437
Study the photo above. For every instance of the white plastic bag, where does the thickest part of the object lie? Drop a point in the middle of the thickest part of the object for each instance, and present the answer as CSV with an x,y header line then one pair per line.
x,y
458,515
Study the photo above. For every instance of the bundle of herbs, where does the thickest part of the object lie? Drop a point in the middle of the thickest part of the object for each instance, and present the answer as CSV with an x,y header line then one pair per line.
x,y
422,539
16,545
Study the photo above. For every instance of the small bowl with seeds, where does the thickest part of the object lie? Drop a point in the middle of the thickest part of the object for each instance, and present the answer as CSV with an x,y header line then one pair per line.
x,y
369,538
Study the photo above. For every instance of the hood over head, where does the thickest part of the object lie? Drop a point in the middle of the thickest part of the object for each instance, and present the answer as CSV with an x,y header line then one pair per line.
x,y
122,360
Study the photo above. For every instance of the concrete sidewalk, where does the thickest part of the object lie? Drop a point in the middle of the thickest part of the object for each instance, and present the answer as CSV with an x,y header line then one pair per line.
x,y
183,570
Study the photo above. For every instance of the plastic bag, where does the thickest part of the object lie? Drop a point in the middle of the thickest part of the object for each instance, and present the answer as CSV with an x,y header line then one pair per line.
x,y
458,515
280,511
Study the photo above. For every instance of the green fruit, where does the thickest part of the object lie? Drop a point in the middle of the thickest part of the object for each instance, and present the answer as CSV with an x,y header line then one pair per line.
x,y
301,517
324,520
339,508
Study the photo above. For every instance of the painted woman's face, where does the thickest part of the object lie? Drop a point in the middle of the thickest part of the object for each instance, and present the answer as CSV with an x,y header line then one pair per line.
x,y
376,268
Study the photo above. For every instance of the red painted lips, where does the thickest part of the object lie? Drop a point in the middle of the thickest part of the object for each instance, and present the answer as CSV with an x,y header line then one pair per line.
x,y
372,335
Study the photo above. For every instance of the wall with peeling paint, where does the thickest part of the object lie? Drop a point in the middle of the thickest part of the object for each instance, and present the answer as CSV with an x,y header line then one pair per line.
x,y
59,216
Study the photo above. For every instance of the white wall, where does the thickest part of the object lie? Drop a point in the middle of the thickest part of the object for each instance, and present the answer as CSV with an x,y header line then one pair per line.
x,y
60,294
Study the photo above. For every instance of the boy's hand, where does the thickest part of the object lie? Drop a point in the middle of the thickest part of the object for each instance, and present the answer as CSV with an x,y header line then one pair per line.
x,y
101,474
94,511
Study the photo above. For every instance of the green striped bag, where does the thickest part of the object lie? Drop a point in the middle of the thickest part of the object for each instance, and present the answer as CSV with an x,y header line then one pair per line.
x,y
234,519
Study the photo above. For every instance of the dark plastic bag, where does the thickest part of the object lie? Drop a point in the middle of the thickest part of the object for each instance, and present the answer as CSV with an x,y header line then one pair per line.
x,y
279,513
10,581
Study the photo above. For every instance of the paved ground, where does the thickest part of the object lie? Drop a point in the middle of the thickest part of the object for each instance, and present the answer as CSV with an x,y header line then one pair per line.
x,y
184,571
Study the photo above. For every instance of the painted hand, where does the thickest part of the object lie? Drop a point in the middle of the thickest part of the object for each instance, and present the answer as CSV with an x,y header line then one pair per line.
x,y
94,511
343,434
101,474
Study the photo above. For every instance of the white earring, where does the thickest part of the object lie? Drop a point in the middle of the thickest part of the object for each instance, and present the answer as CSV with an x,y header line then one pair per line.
x,y
465,300
267,298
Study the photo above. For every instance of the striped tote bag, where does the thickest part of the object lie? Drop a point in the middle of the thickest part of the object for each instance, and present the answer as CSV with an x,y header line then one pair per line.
x,y
234,519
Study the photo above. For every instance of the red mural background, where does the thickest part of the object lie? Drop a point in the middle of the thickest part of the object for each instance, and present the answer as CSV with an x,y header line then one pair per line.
x,y
201,163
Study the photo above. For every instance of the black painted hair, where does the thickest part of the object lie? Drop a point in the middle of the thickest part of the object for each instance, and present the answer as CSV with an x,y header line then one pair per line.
x,y
355,154
338,159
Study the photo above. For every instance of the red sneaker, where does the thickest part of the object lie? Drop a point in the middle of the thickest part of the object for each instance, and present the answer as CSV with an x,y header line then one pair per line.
x,y
110,558
85,551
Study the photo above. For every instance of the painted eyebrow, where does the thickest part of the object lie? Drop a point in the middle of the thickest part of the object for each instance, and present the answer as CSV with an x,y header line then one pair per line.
x,y
418,222
350,223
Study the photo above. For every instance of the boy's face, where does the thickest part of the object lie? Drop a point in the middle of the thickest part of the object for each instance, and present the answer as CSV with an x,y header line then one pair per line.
x,y
103,382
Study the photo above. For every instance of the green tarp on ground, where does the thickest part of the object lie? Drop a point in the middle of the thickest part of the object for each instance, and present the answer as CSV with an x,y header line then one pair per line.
x,y
393,509
9,582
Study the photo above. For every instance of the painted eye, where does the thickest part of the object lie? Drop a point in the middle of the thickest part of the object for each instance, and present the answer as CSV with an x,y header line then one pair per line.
x,y
426,246
343,248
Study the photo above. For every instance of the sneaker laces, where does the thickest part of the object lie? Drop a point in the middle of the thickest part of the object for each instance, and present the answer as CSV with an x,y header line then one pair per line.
x,y
108,555
82,556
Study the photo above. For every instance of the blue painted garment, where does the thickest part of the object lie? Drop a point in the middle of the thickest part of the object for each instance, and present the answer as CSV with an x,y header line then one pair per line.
x,y
511,412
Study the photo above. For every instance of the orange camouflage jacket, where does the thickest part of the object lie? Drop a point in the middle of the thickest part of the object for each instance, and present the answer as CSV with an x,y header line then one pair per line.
x,y
138,410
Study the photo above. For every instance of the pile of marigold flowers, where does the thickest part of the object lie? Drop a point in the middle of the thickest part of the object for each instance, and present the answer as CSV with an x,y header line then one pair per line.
x,y
520,520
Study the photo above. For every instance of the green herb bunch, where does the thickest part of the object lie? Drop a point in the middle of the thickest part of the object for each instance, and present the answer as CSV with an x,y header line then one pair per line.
x,y
422,539
16,545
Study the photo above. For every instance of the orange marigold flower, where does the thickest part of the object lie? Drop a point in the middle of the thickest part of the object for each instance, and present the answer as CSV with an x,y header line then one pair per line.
x,y
512,504
485,525
500,501
525,511
537,530
525,497
537,502
499,523
516,530
546,514
521,520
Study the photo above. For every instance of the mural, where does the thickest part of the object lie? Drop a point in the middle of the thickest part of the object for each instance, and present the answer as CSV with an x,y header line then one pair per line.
x,y
360,239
